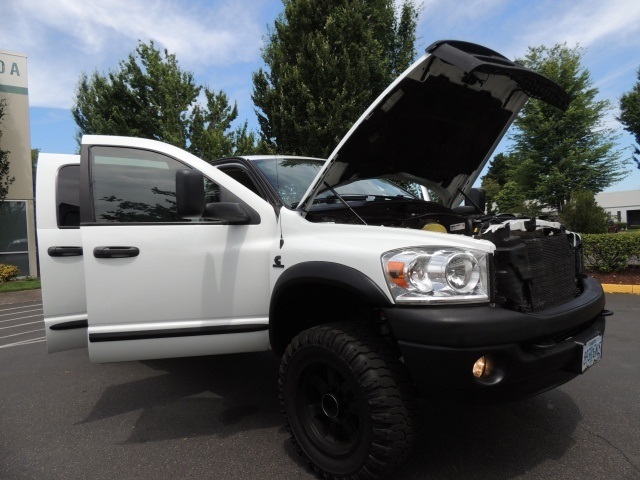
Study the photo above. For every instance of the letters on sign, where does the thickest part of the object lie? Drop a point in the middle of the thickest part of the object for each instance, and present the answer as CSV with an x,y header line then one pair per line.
x,y
13,70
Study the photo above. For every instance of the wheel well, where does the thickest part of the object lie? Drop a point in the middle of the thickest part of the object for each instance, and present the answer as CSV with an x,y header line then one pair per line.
x,y
306,305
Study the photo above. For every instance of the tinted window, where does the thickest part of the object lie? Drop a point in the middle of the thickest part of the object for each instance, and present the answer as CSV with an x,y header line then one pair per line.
x,y
131,185
68,196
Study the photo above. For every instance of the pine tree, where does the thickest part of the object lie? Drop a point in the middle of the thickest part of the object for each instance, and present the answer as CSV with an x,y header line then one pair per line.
x,y
325,63
556,153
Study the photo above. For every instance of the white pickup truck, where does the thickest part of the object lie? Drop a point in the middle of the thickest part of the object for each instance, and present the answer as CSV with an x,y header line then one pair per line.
x,y
364,272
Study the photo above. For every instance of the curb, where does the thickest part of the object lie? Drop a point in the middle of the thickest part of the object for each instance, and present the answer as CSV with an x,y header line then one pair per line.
x,y
615,288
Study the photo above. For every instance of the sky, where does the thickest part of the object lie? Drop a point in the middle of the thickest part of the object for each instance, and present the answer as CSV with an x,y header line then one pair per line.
x,y
220,41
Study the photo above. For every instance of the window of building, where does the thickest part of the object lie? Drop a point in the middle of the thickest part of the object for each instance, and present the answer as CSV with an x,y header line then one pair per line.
x,y
14,248
633,218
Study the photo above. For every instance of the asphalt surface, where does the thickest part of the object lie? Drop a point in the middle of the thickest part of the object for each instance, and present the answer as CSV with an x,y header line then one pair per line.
x,y
218,417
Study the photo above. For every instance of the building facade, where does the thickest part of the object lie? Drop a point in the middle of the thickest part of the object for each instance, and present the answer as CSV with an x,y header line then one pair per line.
x,y
622,206
17,228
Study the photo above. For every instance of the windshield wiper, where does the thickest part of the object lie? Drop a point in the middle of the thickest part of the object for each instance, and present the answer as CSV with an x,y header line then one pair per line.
x,y
337,196
394,197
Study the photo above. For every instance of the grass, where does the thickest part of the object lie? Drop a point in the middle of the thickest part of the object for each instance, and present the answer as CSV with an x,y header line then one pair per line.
x,y
18,285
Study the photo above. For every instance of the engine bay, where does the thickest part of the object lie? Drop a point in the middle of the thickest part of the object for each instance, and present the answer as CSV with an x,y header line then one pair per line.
x,y
389,212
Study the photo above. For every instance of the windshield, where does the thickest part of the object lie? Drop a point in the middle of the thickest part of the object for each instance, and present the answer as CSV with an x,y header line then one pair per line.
x,y
291,178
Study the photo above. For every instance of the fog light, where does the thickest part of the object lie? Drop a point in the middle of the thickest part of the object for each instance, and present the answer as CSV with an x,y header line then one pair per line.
x,y
481,368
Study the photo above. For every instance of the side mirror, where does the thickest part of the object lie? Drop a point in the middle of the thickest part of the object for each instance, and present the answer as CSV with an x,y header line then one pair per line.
x,y
190,200
190,193
229,213
477,198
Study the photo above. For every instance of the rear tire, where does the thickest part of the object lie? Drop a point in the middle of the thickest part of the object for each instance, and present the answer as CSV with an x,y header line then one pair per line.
x,y
348,401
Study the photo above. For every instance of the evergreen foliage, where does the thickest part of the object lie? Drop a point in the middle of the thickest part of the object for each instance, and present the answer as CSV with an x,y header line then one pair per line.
x,y
150,96
5,179
325,63
630,115
494,180
556,153
582,214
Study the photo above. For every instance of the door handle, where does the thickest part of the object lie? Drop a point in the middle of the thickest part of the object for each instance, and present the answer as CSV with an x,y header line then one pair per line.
x,y
115,252
64,251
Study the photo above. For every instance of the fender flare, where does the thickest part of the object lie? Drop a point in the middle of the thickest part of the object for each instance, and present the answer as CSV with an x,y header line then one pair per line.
x,y
326,273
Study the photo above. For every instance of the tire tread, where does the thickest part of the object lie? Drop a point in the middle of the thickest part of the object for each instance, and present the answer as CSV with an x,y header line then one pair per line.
x,y
388,389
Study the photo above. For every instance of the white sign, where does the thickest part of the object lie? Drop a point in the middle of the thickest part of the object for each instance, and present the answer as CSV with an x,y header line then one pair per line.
x,y
13,71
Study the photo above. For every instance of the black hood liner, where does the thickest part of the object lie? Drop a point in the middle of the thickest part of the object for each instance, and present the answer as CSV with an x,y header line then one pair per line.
x,y
473,58
436,130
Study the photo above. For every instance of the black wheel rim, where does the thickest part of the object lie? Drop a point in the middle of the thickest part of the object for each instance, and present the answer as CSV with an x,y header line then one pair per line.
x,y
329,409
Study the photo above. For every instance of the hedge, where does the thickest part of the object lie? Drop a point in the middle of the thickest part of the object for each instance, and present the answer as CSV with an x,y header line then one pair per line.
x,y
610,252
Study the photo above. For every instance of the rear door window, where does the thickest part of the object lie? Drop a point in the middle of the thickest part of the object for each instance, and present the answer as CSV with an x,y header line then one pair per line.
x,y
68,197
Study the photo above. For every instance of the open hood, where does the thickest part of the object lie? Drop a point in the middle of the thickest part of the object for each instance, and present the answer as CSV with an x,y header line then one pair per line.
x,y
438,123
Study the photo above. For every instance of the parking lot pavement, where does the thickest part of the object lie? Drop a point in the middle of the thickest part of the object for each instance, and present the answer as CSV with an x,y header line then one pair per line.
x,y
219,417
21,324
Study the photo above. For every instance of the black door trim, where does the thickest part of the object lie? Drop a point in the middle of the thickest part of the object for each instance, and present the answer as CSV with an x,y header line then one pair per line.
x,y
176,332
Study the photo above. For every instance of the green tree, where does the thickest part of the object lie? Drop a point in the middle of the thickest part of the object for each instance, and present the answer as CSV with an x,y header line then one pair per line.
x,y
325,63
630,115
150,96
509,198
5,179
582,214
34,166
499,169
556,153
498,174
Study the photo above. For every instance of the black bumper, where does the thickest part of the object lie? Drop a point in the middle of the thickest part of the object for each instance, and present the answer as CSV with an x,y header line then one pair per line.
x,y
529,353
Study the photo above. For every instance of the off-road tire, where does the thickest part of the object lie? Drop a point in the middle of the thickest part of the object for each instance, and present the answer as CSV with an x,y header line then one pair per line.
x,y
348,401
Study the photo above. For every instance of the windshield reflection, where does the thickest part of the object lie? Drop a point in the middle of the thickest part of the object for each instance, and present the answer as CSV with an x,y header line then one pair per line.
x,y
291,178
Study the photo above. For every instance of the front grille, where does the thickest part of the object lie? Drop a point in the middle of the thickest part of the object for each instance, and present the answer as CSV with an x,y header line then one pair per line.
x,y
552,263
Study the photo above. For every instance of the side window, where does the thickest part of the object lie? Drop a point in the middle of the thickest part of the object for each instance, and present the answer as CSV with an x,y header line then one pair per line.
x,y
135,186
68,197
241,176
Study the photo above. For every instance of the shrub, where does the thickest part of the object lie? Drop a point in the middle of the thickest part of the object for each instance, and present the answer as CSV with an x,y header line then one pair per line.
x,y
606,253
621,225
582,214
8,272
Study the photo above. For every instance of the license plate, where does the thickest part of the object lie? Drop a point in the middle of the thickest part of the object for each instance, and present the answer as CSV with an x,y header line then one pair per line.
x,y
591,352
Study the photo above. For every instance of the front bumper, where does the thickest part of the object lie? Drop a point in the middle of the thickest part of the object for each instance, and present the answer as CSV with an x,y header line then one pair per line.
x,y
529,352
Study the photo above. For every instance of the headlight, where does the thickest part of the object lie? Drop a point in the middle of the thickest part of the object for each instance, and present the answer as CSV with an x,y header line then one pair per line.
x,y
437,275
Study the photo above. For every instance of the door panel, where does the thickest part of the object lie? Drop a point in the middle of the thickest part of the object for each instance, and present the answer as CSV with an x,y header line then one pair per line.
x,y
179,288
62,274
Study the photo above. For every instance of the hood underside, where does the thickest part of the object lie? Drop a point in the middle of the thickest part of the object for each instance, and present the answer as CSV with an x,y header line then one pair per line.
x,y
439,122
